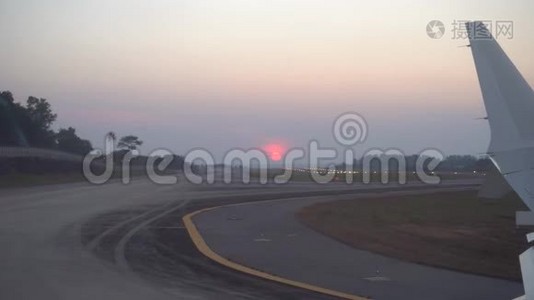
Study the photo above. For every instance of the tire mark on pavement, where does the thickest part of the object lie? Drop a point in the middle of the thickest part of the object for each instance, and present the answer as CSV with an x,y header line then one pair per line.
x,y
120,257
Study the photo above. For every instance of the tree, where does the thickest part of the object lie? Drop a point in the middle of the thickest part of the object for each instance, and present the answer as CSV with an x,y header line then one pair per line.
x,y
40,111
129,142
7,96
68,141
10,132
35,120
26,125
458,163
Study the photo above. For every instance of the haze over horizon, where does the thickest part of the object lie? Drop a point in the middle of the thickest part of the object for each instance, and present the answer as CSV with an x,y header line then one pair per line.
x,y
186,74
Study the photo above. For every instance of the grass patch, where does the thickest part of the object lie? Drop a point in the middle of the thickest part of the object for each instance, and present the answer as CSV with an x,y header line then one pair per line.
x,y
24,180
16,179
453,230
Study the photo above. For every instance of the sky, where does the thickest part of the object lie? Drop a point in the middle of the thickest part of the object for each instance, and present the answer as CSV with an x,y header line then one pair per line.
x,y
244,73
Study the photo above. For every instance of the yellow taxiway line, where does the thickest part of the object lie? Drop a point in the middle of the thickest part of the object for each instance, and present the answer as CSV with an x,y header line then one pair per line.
x,y
206,250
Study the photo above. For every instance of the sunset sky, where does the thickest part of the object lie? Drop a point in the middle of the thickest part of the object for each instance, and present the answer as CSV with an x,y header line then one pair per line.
x,y
224,74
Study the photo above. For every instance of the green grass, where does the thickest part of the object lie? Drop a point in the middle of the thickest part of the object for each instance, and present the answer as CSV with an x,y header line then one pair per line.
x,y
453,230
24,180
15,179
297,176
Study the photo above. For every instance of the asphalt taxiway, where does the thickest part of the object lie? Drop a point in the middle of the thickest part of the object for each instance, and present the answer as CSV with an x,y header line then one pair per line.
x,y
115,241
266,236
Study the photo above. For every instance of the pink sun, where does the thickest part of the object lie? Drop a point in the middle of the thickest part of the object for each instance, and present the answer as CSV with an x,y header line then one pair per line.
x,y
275,151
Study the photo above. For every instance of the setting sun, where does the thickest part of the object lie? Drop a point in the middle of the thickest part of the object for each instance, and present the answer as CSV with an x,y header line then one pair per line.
x,y
274,151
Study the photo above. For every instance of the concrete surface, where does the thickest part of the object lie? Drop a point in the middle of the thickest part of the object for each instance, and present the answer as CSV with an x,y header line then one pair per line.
x,y
115,241
266,236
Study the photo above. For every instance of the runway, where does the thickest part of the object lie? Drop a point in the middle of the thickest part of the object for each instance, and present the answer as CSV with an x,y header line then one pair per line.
x,y
115,241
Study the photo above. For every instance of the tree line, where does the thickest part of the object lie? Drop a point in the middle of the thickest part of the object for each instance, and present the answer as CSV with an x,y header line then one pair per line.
x,y
30,125
451,163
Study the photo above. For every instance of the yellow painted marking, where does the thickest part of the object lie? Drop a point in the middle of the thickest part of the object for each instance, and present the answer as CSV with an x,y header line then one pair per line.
x,y
206,250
